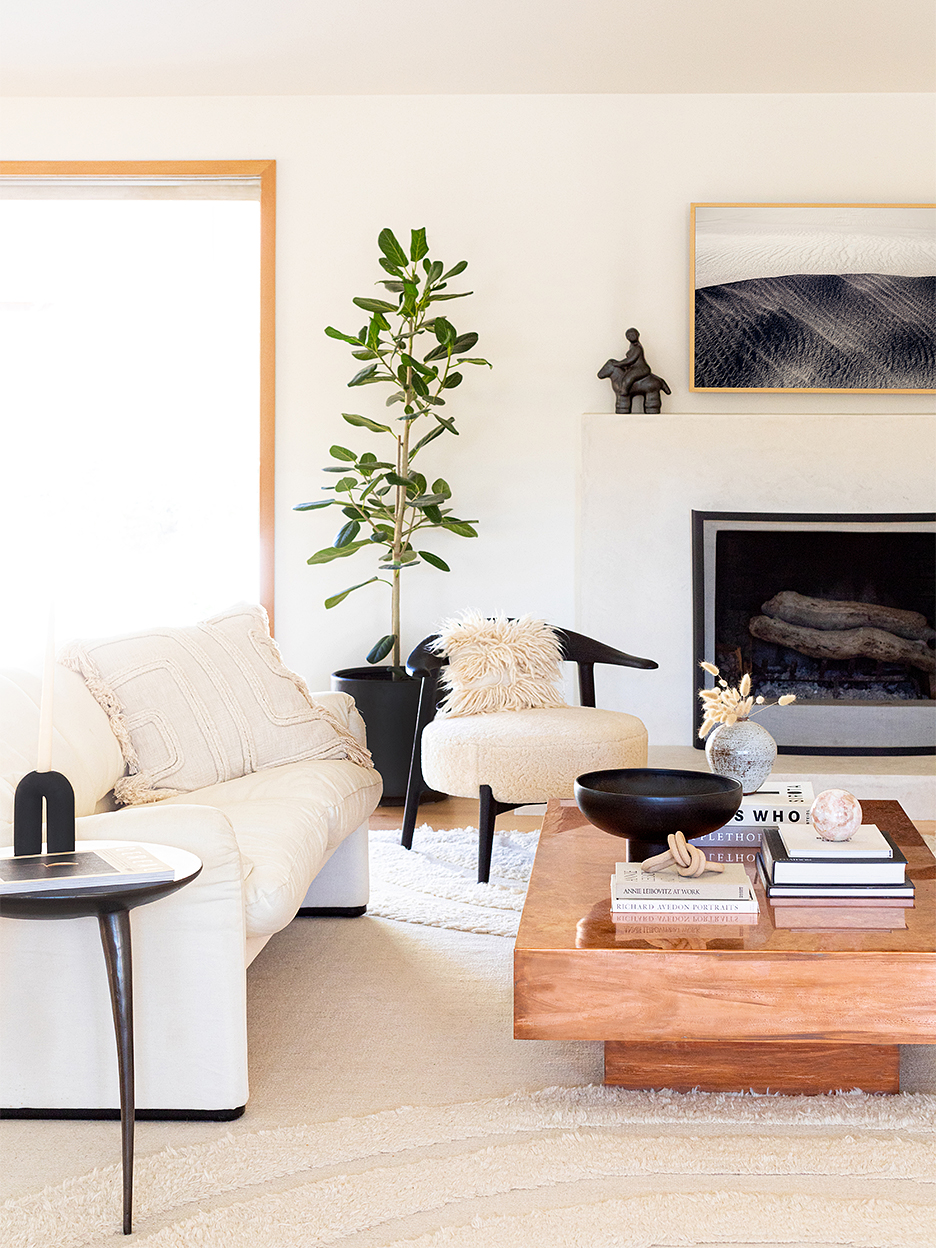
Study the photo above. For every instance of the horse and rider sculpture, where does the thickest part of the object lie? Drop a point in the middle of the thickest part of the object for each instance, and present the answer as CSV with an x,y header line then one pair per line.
x,y
631,376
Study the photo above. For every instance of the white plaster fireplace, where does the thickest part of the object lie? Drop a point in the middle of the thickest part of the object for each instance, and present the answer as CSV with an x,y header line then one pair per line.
x,y
641,478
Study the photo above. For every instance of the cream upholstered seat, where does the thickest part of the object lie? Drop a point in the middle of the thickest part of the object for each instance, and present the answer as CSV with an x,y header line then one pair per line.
x,y
510,758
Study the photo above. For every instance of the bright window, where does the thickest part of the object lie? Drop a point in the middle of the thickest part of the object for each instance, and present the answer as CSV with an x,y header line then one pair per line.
x,y
130,357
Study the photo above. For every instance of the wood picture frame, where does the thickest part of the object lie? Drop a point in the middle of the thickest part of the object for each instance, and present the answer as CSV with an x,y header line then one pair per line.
x,y
816,298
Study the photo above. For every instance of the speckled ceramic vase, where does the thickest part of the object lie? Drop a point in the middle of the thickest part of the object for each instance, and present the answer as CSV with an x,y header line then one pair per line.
x,y
743,751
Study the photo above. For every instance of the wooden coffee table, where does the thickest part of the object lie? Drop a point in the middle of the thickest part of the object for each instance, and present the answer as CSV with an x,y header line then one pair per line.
x,y
727,1007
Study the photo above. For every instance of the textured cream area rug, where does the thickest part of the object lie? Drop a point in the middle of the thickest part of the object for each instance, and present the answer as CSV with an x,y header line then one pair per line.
x,y
591,1166
435,883
351,1019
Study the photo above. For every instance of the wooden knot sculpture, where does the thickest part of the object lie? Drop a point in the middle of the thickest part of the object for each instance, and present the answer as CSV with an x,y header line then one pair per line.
x,y
687,859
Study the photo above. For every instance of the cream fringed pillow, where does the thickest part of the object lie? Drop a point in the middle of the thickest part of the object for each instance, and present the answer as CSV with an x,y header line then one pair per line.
x,y
192,707
499,665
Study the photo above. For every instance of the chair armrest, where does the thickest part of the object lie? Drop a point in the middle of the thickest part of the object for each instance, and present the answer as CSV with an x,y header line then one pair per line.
x,y
424,661
581,649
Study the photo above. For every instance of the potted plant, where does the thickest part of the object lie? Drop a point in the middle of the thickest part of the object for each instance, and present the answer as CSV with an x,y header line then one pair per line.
x,y
387,504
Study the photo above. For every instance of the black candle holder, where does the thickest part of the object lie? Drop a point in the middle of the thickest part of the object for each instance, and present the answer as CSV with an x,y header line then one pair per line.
x,y
59,796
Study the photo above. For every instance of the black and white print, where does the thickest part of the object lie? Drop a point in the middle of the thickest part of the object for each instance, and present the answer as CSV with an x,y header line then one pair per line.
x,y
814,297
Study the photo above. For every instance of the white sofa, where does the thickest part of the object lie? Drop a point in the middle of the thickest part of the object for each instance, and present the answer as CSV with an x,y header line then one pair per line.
x,y
288,839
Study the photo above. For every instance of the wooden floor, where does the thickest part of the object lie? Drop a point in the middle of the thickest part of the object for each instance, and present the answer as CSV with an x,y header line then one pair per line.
x,y
462,812
454,812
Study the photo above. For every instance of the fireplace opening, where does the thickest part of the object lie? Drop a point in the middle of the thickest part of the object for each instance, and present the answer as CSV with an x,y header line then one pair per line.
x,y
838,610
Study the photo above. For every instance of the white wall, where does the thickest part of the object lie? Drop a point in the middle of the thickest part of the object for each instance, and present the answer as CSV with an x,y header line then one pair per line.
x,y
573,213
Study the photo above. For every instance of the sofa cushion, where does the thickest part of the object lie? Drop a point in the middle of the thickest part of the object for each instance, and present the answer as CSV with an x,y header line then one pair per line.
x,y
498,664
287,821
193,707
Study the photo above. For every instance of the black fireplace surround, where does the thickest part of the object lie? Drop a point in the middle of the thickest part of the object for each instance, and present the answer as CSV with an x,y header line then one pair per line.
x,y
855,704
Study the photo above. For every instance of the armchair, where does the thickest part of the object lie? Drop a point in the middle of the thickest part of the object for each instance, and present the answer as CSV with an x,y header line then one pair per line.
x,y
512,758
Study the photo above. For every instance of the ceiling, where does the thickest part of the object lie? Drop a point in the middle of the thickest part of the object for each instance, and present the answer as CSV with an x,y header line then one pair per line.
x,y
377,47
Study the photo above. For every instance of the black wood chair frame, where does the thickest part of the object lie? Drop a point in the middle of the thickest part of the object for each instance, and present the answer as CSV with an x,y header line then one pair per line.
x,y
425,664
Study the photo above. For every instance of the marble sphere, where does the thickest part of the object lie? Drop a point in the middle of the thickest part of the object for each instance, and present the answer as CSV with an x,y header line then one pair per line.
x,y
835,815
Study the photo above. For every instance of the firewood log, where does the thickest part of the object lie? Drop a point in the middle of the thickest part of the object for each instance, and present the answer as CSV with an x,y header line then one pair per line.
x,y
830,615
869,643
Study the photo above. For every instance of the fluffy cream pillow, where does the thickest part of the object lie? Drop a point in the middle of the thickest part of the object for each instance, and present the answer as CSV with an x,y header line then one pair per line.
x,y
499,665
196,706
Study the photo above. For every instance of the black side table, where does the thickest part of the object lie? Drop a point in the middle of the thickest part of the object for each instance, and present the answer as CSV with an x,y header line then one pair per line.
x,y
112,905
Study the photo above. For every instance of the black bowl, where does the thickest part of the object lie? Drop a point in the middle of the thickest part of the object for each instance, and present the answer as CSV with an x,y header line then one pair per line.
x,y
646,804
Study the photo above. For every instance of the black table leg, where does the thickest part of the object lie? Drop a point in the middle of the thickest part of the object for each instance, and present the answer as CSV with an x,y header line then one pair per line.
x,y
115,937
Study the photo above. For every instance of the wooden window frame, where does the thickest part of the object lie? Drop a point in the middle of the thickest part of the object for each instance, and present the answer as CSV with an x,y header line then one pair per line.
x,y
265,171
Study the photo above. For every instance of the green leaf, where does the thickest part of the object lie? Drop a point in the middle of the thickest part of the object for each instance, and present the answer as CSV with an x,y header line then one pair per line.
x,y
433,515
362,422
382,648
314,506
447,422
394,479
345,484
397,397
463,295
336,552
435,561
464,343
451,381
388,266
455,270
353,513
361,378
442,487
417,479
333,602
433,271
395,286
373,305
417,384
342,452
431,500
365,354
335,468
418,245
427,438
336,333
467,360
347,533
387,242
461,527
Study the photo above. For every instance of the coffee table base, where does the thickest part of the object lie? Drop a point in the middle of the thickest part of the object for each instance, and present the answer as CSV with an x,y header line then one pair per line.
x,y
721,1066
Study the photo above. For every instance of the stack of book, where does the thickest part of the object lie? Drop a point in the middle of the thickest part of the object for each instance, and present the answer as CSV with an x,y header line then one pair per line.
x,y
777,803
797,867
635,892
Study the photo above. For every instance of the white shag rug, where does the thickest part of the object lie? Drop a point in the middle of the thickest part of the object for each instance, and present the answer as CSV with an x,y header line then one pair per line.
x,y
435,882
582,1167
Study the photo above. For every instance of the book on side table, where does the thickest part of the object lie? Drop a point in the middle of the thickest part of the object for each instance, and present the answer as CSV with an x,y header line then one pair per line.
x,y
114,864
777,803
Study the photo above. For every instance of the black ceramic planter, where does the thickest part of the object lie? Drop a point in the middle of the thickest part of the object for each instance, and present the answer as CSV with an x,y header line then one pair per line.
x,y
388,700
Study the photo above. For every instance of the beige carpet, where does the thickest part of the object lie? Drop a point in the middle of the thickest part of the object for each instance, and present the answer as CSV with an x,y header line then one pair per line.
x,y
350,1020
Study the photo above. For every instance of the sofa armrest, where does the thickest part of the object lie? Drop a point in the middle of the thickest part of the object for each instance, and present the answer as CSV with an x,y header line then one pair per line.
x,y
342,706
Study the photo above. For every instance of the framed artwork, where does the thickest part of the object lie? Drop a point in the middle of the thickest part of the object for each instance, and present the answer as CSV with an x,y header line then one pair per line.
x,y
830,298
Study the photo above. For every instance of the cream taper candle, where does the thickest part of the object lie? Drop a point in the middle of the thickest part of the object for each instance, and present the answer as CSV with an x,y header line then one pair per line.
x,y
44,762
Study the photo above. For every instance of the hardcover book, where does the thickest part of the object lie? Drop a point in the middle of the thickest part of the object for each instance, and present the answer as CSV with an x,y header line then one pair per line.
x,y
777,802
630,881
902,893
781,868
867,842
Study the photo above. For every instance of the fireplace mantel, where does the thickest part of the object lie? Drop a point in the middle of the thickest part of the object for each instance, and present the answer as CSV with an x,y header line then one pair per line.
x,y
640,479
